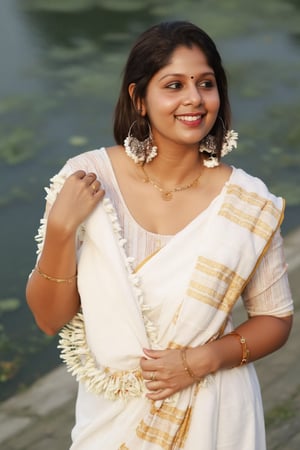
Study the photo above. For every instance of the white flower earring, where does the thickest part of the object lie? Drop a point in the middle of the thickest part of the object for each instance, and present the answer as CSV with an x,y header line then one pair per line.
x,y
140,151
208,145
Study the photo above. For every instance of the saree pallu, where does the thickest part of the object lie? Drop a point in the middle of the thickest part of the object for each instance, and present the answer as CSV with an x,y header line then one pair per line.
x,y
181,296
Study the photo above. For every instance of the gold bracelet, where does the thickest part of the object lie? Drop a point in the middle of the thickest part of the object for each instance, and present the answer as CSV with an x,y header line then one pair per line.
x,y
186,366
57,280
245,350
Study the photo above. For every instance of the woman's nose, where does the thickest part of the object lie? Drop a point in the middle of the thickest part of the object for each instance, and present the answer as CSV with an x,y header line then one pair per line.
x,y
193,95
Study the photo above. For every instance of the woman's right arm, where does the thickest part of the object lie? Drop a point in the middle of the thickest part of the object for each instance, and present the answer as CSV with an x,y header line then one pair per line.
x,y
52,302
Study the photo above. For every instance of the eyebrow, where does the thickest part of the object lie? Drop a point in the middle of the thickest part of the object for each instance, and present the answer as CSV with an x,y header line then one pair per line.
x,y
183,75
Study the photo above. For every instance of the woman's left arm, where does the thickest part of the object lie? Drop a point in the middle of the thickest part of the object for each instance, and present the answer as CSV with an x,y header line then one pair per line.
x,y
262,335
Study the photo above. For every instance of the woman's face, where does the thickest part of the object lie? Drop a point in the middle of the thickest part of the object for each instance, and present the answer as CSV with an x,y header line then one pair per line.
x,y
182,100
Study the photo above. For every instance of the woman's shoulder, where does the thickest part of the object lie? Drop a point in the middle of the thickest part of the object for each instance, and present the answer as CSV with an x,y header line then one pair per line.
x,y
88,157
95,161
248,181
94,157
253,184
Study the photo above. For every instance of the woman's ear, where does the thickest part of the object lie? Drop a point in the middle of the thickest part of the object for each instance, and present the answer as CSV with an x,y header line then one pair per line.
x,y
131,89
138,103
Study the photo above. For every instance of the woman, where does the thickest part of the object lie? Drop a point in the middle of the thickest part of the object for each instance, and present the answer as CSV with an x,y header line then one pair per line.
x,y
149,244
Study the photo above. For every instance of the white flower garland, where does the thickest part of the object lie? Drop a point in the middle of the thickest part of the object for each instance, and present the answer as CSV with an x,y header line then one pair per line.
x,y
80,362
75,352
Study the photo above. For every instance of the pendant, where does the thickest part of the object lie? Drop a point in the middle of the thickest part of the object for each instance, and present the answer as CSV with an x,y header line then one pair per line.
x,y
167,195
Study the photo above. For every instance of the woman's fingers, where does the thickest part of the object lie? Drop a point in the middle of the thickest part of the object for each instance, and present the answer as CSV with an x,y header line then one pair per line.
x,y
160,394
164,373
89,178
78,197
96,185
91,181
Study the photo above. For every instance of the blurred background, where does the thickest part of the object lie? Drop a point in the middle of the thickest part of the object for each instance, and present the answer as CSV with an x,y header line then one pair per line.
x,y
61,64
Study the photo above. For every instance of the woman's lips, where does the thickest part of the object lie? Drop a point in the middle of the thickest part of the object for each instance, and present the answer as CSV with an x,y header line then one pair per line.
x,y
191,119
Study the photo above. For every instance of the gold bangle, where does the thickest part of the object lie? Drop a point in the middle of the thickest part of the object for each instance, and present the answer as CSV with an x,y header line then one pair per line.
x,y
186,366
57,280
245,350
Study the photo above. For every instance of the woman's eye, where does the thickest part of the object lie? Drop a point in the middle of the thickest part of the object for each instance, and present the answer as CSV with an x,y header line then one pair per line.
x,y
174,85
206,84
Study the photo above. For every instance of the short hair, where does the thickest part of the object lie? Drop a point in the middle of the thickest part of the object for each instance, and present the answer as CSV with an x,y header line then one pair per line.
x,y
153,51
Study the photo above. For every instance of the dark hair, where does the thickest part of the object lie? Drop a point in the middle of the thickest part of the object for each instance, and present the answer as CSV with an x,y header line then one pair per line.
x,y
151,52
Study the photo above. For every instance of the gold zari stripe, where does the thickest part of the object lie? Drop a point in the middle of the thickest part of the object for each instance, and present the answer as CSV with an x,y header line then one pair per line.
x,y
238,216
253,199
260,211
218,295
171,428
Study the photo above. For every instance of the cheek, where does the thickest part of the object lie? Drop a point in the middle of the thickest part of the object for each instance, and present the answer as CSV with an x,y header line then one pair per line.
x,y
157,102
214,107
160,107
215,101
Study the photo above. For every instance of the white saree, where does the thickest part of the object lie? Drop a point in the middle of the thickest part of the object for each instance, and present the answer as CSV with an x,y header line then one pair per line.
x,y
182,295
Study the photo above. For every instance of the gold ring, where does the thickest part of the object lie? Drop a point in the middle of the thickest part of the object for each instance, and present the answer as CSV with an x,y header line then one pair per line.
x,y
153,376
94,187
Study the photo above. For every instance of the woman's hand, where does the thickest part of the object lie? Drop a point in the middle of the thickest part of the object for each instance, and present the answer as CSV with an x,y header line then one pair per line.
x,y
164,372
78,197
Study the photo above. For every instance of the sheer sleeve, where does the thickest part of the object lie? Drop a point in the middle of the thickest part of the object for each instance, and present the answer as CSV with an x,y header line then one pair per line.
x,y
268,292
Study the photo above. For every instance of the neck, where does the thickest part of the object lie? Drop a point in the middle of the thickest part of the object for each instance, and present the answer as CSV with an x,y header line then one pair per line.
x,y
167,193
174,168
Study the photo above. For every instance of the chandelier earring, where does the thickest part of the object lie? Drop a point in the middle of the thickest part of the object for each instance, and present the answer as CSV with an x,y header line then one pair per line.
x,y
208,145
140,151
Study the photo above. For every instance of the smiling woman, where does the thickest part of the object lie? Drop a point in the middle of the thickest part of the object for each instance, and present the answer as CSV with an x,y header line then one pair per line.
x,y
143,251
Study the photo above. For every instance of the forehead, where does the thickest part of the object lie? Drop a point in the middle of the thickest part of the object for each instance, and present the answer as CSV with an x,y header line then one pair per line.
x,y
186,59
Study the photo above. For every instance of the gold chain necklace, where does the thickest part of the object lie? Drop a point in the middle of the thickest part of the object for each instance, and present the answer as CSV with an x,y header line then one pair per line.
x,y
168,194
